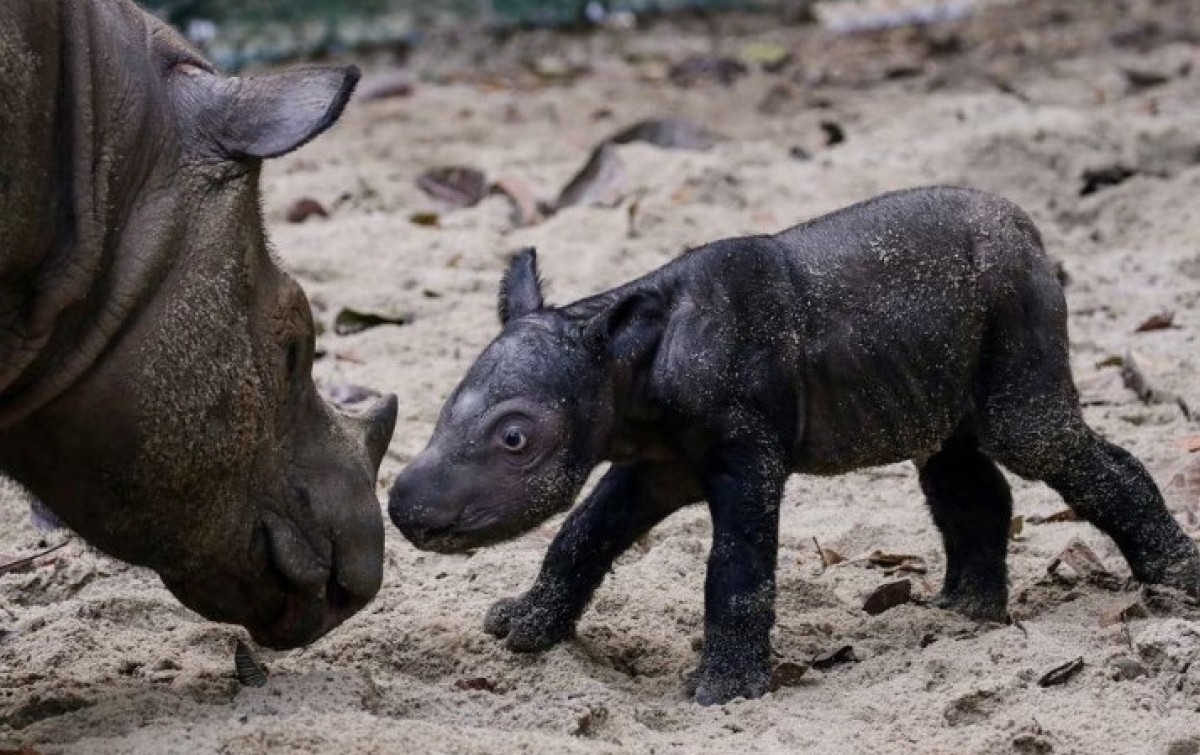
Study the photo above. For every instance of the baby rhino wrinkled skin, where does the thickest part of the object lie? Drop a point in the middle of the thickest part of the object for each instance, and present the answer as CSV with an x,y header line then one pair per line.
x,y
155,363
924,325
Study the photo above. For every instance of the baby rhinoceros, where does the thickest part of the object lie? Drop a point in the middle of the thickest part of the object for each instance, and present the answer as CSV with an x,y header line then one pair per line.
x,y
922,325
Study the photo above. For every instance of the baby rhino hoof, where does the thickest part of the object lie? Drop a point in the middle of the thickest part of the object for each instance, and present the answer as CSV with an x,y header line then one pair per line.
x,y
710,688
525,625
976,607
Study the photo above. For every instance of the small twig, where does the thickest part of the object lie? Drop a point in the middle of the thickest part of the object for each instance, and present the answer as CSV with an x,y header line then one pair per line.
x,y
13,566
820,553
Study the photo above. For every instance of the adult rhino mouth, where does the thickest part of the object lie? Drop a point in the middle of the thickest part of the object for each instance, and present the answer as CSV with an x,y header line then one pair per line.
x,y
316,597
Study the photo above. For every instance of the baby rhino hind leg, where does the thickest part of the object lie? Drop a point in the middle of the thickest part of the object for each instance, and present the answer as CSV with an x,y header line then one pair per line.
x,y
1111,489
972,506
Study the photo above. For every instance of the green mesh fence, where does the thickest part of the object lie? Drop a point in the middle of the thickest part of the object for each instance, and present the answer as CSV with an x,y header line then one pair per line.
x,y
237,32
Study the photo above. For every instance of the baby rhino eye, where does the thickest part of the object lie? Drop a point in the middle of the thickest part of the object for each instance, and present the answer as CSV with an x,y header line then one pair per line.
x,y
513,439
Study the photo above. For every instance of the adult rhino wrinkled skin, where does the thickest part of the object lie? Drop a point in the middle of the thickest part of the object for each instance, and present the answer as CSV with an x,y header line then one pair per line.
x,y
155,363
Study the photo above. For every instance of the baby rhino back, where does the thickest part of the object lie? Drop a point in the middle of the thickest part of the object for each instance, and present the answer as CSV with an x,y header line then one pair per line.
x,y
905,297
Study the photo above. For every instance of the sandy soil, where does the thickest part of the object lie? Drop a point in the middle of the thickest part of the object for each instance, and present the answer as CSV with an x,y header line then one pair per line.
x,y
1024,100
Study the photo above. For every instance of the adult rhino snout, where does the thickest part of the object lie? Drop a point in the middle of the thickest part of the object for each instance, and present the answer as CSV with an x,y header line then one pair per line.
x,y
332,563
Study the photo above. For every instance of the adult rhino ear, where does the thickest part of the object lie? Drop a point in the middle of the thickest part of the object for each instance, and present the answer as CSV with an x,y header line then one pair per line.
x,y
628,328
266,116
521,287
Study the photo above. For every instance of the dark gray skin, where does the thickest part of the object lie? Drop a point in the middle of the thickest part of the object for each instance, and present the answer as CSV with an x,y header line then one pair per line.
x,y
923,325
155,362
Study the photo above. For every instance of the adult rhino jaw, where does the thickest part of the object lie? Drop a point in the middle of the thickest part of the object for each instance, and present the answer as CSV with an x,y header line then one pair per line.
x,y
155,363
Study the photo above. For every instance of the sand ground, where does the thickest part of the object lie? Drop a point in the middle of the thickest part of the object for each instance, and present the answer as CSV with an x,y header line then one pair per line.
x,y
1024,100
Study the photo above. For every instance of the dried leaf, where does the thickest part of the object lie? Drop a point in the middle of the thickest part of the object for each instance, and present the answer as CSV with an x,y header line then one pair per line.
x,y
696,69
1096,179
1191,444
1183,486
426,219
249,671
456,185
349,321
1015,526
834,133
1122,612
893,562
525,207
597,183
385,86
667,133
1066,515
787,674
888,596
1160,321
476,684
1140,79
586,724
304,208
22,564
1084,561
1110,361
835,657
348,394
772,57
1061,674
1135,380
828,557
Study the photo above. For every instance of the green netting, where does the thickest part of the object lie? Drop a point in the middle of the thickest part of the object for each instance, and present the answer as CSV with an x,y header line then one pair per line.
x,y
235,32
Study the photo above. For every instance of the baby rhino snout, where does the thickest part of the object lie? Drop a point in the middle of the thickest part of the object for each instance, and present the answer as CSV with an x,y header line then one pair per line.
x,y
419,507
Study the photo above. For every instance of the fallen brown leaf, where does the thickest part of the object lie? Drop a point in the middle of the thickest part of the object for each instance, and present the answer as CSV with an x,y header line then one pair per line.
x,y
1191,444
1066,515
787,674
21,564
597,183
349,321
1015,526
835,657
828,557
1160,321
1084,561
1123,611
304,208
667,133
454,184
1061,674
897,562
248,669
385,86
476,684
525,207
888,596
1136,380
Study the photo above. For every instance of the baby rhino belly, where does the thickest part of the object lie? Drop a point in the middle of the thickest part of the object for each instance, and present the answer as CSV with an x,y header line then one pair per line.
x,y
882,402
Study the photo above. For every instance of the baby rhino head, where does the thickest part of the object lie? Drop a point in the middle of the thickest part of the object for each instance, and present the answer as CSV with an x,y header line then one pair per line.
x,y
519,435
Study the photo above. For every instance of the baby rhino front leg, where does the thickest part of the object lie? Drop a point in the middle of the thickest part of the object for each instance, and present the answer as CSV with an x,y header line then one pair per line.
x,y
744,486
626,503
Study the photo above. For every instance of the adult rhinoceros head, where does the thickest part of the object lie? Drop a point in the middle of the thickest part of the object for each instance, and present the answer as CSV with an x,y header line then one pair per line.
x,y
155,362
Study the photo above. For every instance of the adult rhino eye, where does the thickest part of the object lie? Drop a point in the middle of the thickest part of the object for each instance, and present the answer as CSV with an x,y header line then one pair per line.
x,y
293,358
513,439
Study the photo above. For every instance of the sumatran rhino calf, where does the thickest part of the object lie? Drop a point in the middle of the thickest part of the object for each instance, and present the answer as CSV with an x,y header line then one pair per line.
x,y
924,325
155,363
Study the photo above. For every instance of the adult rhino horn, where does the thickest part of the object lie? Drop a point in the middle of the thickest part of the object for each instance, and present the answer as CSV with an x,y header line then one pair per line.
x,y
264,116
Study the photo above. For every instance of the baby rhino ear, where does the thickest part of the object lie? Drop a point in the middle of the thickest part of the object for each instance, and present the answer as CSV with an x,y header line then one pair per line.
x,y
629,328
521,287
266,116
